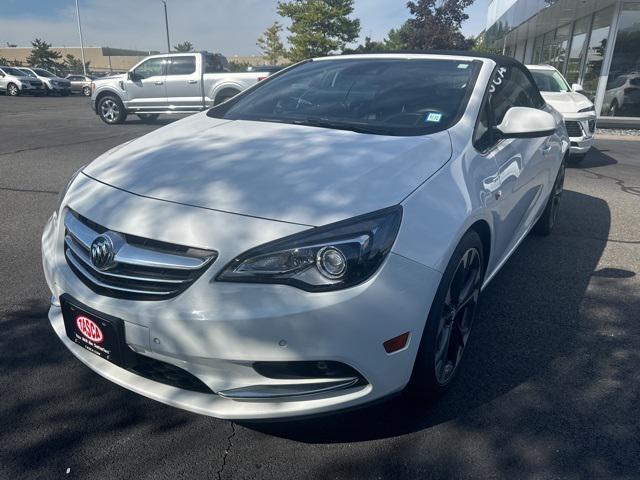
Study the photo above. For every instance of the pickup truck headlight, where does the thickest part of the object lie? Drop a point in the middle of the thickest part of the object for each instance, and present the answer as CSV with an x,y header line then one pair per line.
x,y
587,109
331,257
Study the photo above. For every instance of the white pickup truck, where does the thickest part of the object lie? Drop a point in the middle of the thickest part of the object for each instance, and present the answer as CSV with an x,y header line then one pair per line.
x,y
169,83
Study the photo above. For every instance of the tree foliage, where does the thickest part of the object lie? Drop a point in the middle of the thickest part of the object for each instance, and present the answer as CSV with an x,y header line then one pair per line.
x,y
436,25
480,44
271,45
74,65
392,43
42,56
183,47
318,27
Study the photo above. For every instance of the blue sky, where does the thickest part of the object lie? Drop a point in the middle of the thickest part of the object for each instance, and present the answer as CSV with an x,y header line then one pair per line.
x,y
228,26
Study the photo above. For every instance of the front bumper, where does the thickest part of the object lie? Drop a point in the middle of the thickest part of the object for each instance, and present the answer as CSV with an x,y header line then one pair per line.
x,y
216,331
581,138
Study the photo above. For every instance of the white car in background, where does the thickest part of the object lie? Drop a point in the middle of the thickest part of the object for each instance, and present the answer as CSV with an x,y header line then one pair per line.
x,y
15,82
317,242
577,110
52,83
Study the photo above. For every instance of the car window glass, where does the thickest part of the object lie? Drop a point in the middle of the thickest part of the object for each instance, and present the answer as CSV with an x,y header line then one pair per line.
x,y
511,87
151,68
182,65
43,73
549,81
482,136
212,64
387,96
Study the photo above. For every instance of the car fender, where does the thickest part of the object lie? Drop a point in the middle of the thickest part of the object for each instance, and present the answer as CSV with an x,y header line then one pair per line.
x,y
219,86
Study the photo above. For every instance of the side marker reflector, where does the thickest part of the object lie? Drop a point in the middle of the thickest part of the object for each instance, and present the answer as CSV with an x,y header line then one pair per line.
x,y
396,343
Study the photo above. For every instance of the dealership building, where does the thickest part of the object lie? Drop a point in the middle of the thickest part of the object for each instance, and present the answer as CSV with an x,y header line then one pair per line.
x,y
595,43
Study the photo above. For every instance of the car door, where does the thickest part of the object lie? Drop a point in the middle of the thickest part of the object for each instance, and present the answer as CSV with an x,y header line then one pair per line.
x,y
3,80
145,85
183,80
524,165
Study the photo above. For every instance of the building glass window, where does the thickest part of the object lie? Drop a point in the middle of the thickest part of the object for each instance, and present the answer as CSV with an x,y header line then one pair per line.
x,y
548,47
561,45
578,49
596,50
622,94
537,51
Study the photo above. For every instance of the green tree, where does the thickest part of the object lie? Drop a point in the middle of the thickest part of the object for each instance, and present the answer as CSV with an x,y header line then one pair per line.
x,y
393,43
42,56
271,45
183,47
318,27
4,61
74,64
395,39
436,25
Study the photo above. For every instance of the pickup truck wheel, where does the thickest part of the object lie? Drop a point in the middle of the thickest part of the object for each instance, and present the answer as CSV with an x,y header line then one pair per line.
x,y
13,90
148,117
86,91
111,110
225,95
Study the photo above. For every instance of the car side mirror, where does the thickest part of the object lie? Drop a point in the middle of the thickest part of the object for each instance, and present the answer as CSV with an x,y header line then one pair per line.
x,y
526,122
133,76
576,87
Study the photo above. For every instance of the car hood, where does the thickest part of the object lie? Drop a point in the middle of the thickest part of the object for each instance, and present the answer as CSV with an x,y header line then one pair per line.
x,y
292,173
110,78
567,102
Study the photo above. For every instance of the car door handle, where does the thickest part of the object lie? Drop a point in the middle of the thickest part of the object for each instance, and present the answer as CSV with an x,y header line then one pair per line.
x,y
159,82
192,81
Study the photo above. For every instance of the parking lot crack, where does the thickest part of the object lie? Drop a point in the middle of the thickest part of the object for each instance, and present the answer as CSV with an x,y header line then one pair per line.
x,y
227,450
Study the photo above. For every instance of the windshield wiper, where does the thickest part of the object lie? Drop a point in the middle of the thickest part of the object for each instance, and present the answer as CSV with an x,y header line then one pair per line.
x,y
353,127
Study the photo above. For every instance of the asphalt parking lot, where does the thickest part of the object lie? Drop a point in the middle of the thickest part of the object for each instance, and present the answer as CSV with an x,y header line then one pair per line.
x,y
550,386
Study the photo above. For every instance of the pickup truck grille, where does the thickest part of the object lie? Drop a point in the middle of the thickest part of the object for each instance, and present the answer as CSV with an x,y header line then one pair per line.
x,y
141,269
573,128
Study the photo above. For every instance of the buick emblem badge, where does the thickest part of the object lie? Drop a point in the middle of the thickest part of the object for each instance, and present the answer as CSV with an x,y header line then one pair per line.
x,y
102,252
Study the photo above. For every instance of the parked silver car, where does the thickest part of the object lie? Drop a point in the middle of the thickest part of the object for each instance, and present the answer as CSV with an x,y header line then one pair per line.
x,y
80,83
14,82
53,84
176,83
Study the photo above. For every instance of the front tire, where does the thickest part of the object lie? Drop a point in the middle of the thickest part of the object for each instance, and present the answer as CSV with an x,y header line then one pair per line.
x,y
111,110
547,221
448,325
13,90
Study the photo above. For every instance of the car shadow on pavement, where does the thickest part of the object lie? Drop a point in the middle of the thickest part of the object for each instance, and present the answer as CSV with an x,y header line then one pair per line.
x,y
596,157
529,342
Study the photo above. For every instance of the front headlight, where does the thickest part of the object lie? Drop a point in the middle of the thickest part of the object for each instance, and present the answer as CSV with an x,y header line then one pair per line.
x,y
331,257
587,109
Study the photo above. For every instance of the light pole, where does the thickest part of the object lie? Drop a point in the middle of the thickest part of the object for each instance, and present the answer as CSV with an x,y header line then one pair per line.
x,y
166,24
84,66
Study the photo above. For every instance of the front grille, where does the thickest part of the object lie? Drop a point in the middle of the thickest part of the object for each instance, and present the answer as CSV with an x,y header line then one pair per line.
x,y
573,128
592,126
141,268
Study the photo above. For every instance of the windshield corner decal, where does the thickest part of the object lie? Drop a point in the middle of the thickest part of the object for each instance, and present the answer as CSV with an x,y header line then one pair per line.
x,y
498,79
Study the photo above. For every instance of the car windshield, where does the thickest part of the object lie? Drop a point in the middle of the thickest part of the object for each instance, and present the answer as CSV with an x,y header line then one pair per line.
x,y
382,95
28,73
43,73
13,71
550,81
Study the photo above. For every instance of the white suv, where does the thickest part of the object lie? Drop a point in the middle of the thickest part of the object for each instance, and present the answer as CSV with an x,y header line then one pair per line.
x,y
52,83
14,82
577,110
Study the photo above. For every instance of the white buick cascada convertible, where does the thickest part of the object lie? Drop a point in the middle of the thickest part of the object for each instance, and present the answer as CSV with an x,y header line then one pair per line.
x,y
317,242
